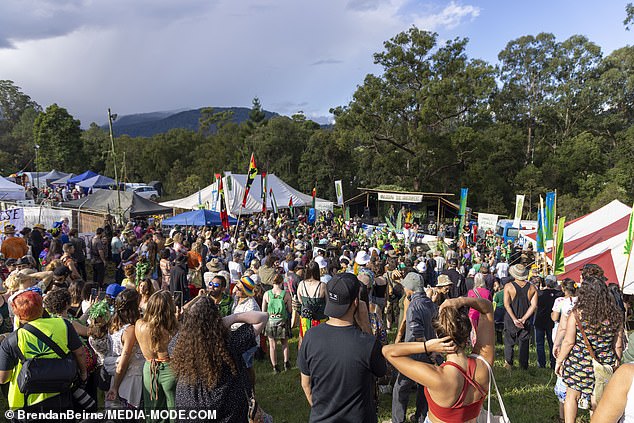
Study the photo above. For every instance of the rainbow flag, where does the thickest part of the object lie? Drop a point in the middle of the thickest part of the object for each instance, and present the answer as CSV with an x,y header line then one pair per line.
x,y
253,171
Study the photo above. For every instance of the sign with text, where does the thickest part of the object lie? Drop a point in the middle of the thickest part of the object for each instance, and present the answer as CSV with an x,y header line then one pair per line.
x,y
400,198
487,221
13,217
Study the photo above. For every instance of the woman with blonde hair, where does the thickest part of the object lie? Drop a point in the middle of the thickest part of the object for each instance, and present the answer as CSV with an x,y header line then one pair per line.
x,y
154,332
456,389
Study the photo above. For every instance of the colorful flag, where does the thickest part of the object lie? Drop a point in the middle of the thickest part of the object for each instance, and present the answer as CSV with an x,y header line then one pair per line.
x,y
464,192
519,205
549,217
314,195
630,234
224,217
263,195
558,259
540,227
273,202
253,171
339,192
290,204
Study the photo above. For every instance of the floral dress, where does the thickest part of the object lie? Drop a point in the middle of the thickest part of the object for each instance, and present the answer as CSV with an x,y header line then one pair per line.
x,y
578,373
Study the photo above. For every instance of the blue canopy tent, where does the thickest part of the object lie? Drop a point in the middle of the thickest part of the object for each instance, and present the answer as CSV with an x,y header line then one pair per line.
x,y
196,218
86,175
98,181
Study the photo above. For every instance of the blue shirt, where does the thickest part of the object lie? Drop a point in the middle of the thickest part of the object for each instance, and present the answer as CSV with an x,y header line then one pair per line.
x,y
420,314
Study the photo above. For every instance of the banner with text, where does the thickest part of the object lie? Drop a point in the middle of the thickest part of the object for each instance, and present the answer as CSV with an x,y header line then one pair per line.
x,y
13,217
487,221
400,198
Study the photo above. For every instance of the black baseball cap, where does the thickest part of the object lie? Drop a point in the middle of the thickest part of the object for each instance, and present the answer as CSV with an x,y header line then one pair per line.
x,y
343,288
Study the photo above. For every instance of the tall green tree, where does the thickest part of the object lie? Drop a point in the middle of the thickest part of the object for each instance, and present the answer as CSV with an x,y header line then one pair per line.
x,y
58,135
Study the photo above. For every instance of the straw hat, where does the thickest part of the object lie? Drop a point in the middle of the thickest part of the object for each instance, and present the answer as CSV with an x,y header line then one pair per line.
x,y
519,272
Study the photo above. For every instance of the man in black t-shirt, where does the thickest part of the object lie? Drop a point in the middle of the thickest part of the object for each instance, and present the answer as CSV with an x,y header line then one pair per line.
x,y
339,362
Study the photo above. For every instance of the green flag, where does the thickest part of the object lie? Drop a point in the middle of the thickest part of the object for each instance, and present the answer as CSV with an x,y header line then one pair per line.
x,y
630,234
558,262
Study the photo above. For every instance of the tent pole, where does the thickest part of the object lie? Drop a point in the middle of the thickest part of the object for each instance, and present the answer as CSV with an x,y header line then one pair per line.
x,y
627,263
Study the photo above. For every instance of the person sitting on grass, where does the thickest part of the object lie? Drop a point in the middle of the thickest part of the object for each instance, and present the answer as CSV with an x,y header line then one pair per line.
x,y
455,390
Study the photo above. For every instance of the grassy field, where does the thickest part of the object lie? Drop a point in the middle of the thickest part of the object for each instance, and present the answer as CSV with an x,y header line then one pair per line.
x,y
528,394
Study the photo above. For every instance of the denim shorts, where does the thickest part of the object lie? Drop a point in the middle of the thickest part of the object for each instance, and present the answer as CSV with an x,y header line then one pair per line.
x,y
248,355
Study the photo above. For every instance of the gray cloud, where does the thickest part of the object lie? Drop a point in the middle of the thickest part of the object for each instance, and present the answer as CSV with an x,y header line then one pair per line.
x,y
327,62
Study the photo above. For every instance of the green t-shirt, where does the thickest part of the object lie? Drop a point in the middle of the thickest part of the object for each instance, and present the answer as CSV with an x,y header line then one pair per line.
x,y
498,299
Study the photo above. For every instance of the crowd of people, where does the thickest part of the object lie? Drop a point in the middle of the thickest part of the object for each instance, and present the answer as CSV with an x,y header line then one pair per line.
x,y
173,318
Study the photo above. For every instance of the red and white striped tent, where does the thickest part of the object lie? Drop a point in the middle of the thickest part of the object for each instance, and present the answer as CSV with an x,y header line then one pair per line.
x,y
599,238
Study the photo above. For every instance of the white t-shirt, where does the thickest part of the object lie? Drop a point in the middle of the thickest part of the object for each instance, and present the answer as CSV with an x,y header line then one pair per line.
x,y
248,305
502,270
235,270
563,306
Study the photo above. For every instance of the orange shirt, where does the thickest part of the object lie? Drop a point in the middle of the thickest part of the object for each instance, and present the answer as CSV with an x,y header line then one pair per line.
x,y
193,260
14,248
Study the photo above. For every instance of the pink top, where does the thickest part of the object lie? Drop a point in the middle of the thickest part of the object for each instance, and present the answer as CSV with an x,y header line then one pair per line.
x,y
474,315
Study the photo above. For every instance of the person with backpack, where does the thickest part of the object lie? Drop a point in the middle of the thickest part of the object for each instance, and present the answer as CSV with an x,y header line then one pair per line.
x,y
56,341
277,303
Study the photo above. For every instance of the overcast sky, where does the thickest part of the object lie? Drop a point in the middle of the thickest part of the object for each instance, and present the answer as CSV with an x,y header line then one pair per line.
x,y
140,56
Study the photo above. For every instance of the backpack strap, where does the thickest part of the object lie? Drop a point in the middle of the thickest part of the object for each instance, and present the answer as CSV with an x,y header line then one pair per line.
x,y
48,341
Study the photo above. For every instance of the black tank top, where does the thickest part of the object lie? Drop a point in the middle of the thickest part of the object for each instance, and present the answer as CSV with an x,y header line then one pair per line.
x,y
520,303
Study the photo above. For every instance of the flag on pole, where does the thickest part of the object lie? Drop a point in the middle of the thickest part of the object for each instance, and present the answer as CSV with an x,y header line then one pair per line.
x,y
253,171
558,260
290,204
224,217
339,192
263,179
464,192
549,217
273,202
540,227
519,205
314,195
630,234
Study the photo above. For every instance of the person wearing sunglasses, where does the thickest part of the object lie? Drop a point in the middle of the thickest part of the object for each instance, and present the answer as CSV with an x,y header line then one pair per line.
x,y
215,289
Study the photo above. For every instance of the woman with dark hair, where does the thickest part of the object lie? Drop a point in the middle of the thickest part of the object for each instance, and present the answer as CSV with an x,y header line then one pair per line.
x,y
598,319
219,379
127,383
75,289
546,296
311,294
145,290
456,389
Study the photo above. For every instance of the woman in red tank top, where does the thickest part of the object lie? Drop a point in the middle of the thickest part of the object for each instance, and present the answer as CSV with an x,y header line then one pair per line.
x,y
456,389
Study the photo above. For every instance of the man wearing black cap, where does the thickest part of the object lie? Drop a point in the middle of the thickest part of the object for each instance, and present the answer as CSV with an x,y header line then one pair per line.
x,y
339,362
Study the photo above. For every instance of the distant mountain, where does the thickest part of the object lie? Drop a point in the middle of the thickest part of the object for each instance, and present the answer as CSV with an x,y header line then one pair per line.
x,y
149,124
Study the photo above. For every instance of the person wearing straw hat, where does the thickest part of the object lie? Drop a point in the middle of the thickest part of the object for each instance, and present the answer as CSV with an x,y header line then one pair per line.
x,y
520,302
13,246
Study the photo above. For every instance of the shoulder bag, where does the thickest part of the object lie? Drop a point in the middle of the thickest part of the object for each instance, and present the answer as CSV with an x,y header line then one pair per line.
x,y
485,415
45,375
602,372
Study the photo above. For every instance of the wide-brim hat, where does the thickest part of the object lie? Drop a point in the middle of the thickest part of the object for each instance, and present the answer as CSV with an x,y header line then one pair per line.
x,y
519,272
443,280
9,229
39,226
253,245
214,265
168,242
362,258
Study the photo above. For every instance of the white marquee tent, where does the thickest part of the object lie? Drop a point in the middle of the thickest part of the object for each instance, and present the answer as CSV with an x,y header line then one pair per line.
x,y
234,187
10,190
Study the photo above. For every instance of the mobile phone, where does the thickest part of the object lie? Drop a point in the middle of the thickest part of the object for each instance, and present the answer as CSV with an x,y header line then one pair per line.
x,y
178,298
93,293
102,295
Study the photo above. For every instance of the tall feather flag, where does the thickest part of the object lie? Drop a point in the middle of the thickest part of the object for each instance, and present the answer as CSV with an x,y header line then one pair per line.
x,y
314,194
549,217
263,179
464,192
540,226
558,259
290,204
224,217
273,202
630,235
253,171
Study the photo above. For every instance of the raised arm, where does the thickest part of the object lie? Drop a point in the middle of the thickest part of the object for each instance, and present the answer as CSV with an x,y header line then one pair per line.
x,y
256,318
485,342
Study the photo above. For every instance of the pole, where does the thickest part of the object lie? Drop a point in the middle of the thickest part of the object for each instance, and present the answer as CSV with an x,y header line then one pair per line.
x,y
114,161
627,263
